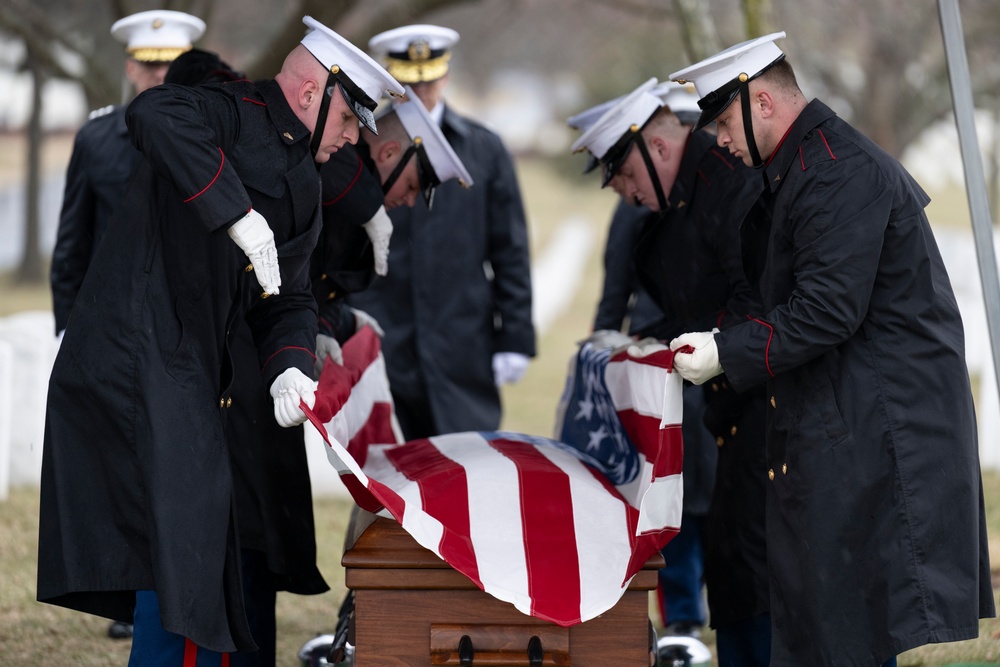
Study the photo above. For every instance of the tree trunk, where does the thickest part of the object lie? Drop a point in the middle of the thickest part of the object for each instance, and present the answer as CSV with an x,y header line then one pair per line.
x,y
757,15
30,269
701,39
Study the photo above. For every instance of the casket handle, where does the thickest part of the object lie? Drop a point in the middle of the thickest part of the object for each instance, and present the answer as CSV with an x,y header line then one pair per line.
x,y
465,651
499,646
535,652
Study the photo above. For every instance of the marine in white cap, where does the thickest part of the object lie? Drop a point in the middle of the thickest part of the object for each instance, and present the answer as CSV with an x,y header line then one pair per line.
x,y
644,121
859,344
413,156
224,209
685,255
726,75
680,99
437,298
362,81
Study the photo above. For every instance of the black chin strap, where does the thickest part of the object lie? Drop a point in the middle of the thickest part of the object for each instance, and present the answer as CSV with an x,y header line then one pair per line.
x,y
397,172
324,110
748,122
657,186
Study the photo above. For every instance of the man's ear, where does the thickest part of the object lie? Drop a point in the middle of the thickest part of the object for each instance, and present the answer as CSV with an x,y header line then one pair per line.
x,y
659,146
765,103
309,93
388,151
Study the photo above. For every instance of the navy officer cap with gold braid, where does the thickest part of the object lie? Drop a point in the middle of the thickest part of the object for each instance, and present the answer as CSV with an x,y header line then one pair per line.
x,y
415,53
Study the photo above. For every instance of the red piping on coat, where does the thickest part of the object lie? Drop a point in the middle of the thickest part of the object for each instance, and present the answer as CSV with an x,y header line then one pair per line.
x,y
767,348
825,143
221,165
722,157
260,104
289,347
354,180
778,147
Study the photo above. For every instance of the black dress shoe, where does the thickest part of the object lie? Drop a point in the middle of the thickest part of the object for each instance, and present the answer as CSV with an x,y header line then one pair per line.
x,y
120,630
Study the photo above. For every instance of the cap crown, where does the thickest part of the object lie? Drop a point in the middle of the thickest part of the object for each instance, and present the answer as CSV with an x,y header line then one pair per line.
x,y
627,114
333,51
415,53
749,58
680,98
158,35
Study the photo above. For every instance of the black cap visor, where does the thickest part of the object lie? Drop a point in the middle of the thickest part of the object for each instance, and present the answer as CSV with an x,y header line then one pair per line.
x,y
716,102
616,156
359,102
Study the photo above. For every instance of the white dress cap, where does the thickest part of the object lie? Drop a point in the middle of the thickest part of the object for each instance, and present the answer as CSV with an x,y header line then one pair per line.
x,y
158,35
415,53
332,50
750,58
680,98
423,131
631,111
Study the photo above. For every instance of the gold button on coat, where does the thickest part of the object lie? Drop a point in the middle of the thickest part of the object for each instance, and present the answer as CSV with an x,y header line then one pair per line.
x,y
770,474
720,441
229,402
773,405
784,468
732,431
249,268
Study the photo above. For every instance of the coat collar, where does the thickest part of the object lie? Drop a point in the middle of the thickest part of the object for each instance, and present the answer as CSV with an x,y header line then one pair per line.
x,y
454,122
697,144
286,123
787,151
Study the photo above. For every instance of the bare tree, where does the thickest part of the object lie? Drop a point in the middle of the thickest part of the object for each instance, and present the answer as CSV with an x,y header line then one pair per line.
x,y
30,268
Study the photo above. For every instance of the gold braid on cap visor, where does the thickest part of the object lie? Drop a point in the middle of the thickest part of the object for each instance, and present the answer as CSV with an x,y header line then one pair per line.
x,y
156,55
409,71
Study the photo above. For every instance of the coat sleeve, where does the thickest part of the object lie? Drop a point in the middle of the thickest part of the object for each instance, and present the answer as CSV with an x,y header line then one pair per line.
x,y
509,257
284,327
833,235
75,238
620,281
742,301
181,132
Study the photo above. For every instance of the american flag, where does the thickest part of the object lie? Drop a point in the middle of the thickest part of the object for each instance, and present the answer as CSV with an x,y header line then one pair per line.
x,y
557,528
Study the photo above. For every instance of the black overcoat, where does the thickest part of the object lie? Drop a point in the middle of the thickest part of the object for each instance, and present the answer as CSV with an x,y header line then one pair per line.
x,y
137,489
443,311
688,259
875,526
102,162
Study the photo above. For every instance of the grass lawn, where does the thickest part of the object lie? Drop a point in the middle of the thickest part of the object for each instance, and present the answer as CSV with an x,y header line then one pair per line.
x,y
33,633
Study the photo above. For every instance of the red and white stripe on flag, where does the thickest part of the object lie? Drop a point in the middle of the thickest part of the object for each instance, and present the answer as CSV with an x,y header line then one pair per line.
x,y
521,516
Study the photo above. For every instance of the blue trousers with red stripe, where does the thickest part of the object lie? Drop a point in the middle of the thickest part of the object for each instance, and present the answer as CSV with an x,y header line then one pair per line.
x,y
152,646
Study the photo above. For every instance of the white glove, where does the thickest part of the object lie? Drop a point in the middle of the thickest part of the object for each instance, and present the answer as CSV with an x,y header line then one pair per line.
x,y
361,318
508,367
700,365
379,230
327,346
287,390
252,234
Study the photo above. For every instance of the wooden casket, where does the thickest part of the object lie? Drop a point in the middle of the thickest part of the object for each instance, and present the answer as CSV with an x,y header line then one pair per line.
x,y
412,609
